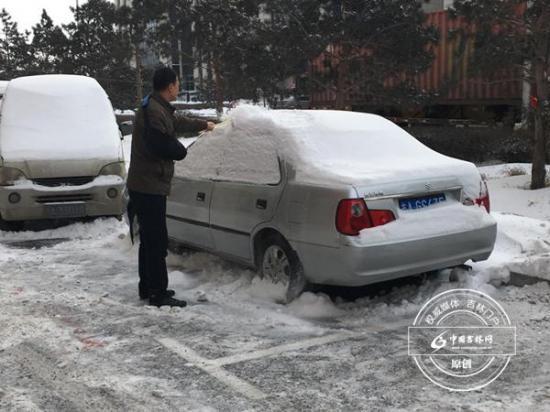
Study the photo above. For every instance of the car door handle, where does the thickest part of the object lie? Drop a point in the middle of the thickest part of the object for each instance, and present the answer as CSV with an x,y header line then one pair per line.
x,y
261,204
201,196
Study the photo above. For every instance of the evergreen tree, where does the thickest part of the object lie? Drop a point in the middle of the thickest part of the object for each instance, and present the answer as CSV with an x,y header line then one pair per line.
x,y
15,52
515,35
173,38
97,48
137,25
93,37
375,49
50,45
293,35
250,47
226,31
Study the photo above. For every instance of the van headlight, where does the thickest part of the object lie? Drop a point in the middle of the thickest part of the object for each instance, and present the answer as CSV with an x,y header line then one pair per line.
x,y
117,169
8,175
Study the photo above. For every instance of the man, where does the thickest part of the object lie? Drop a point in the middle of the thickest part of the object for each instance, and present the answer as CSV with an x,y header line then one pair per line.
x,y
154,150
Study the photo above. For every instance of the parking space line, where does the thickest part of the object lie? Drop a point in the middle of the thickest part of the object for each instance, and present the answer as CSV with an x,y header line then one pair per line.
x,y
237,384
287,347
214,367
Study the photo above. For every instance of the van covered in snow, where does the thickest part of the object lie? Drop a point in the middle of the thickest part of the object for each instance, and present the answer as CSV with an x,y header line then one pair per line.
x,y
61,150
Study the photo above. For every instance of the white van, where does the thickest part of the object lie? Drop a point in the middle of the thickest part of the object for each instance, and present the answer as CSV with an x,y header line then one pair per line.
x,y
61,150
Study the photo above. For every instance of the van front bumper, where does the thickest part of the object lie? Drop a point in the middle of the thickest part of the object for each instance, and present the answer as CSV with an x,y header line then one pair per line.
x,y
101,197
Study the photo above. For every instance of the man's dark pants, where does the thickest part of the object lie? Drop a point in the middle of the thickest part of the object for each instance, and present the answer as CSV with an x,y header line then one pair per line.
x,y
151,213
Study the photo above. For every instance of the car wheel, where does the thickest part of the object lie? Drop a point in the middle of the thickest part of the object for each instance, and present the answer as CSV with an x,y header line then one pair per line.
x,y
280,263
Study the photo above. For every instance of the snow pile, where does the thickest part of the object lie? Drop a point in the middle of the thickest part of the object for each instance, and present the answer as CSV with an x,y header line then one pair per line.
x,y
65,117
92,232
523,217
510,193
314,306
523,246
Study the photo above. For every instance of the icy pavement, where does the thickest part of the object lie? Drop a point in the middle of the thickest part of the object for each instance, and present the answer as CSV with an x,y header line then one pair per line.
x,y
74,336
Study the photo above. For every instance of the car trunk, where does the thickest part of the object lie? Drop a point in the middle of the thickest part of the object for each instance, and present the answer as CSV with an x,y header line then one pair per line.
x,y
426,202
450,186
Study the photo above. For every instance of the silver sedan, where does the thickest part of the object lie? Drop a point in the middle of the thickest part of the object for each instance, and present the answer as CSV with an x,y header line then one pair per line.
x,y
328,197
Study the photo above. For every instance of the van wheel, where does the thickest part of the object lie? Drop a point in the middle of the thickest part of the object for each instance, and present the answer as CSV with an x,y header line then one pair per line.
x,y
11,225
280,263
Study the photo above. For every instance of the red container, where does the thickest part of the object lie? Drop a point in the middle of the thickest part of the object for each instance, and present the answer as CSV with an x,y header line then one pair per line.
x,y
448,77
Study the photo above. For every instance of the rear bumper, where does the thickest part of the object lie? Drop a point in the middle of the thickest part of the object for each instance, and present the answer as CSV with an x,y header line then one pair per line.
x,y
354,265
35,200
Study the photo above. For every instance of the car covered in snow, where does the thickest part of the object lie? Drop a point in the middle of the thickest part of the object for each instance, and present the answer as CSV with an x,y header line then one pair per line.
x,y
328,197
61,150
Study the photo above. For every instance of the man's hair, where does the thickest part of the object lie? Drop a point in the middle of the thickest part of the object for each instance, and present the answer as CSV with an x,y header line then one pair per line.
x,y
163,77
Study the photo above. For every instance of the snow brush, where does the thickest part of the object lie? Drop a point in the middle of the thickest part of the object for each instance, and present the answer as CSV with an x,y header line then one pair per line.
x,y
220,125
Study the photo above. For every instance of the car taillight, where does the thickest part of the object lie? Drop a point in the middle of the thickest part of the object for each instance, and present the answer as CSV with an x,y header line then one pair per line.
x,y
381,217
483,199
353,216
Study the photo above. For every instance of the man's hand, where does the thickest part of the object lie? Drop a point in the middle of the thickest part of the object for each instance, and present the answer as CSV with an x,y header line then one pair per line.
x,y
211,126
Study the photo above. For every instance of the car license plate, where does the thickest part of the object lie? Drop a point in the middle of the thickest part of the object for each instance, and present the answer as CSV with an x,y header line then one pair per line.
x,y
60,210
421,202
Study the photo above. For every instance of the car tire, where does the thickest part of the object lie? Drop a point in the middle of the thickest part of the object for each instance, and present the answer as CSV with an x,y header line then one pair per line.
x,y
279,263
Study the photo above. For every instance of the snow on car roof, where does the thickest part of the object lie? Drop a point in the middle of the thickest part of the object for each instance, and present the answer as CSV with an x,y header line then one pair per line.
x,y
57,117
340,145
321,145
331,133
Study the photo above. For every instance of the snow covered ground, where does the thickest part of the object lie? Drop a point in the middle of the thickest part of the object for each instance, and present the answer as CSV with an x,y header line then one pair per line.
x,y
74,335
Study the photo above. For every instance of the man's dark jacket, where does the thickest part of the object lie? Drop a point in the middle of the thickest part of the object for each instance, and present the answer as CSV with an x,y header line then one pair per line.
x,y
155,146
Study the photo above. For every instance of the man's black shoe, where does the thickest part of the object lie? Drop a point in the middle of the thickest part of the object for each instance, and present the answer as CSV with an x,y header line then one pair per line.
x,y
166,300
145,295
